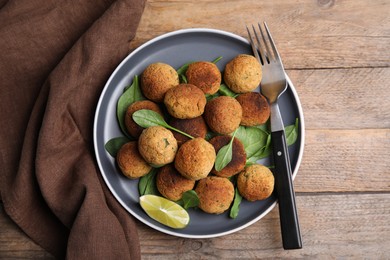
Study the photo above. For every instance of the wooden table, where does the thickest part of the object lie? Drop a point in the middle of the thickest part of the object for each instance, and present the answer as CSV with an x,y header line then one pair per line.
x,y
337,54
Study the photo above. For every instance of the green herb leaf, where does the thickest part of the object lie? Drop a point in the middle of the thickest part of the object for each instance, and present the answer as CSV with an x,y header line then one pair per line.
x,y
291,133
114,144
253,139
131,94
189,199
147,118
225,154
147,184
225,91
217,59
211,96
182,72
236,204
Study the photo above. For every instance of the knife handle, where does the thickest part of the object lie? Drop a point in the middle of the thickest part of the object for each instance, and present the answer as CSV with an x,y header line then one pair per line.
x,y
289,223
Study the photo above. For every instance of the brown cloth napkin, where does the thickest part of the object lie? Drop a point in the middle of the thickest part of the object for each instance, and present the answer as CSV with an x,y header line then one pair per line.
x,y
55,57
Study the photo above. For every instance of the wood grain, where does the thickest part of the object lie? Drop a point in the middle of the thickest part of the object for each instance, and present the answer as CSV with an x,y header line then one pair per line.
x,y
344,98
309,34
332,226
337,55
14,244
345,161
328,224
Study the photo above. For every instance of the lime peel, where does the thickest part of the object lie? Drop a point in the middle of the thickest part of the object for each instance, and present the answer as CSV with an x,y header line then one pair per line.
x,y
165,211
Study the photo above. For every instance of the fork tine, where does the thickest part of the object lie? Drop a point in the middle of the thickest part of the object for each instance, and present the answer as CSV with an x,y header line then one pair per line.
x,y
261,50
276,53
254,47
267,49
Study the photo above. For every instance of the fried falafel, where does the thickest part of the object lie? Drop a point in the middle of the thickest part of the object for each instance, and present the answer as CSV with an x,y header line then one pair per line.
x,y
132,127
205,75
157,79
255,108
223,114
171,184
130,162
255,182
237,164
243,73
185,101
195,159
195,127
157,146
215,194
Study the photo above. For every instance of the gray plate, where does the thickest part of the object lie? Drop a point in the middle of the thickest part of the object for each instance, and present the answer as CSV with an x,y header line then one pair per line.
x,y
177,48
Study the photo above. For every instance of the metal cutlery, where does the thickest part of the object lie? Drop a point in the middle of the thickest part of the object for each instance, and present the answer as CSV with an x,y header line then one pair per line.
x,y
273,85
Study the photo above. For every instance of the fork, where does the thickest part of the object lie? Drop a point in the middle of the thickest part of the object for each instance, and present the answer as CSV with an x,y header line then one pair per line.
x,y
273,84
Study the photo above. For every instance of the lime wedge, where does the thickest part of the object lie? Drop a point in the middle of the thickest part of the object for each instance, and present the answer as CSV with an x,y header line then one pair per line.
x,y
165,211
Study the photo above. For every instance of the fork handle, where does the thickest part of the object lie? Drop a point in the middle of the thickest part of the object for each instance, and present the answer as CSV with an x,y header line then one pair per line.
x,y
289,223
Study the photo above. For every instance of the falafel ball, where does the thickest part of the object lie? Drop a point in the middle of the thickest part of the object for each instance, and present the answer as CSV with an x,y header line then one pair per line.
x,y
237,164
157,146
185,101
223,114
205,75
256,182
215,194
243,73
157,79
255,108
195,159
130,162
132,127
195,127
171,184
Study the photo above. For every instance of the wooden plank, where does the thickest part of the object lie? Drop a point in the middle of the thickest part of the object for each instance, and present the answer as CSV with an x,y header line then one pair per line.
x,y
14,243
309,34
345,161
332,226
344,98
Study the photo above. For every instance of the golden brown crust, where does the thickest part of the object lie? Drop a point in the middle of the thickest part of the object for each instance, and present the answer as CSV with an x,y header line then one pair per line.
x,y
157,79
205,75
185,101
130,162
215,194
256,182
195,159
195,127
157,145
171,184
255,109
223,114
131,126
243,73
237,164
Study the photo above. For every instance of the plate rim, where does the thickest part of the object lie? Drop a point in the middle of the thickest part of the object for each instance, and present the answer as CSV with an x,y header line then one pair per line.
x,y
99,104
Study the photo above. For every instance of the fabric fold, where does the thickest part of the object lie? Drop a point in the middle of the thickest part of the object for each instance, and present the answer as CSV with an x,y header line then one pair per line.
x,y
55,60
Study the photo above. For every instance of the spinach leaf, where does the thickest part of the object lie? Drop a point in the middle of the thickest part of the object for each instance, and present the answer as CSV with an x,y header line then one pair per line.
x,y
131,94
217,59
147,183
225,154
291,133
225,91
253,139
189,199
114,144
236,204
147,118
211,96
182,72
